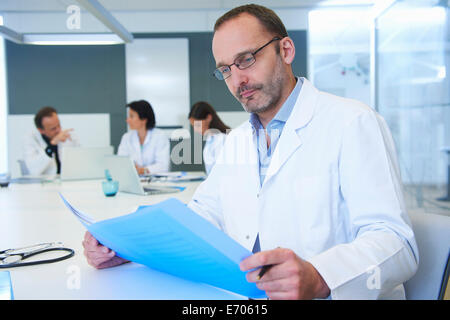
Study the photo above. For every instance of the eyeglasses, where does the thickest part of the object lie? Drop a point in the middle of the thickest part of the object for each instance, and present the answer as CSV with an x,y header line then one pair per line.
x,y
242,62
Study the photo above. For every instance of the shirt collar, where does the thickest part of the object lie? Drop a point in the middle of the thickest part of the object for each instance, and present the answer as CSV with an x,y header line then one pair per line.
x,y
285,110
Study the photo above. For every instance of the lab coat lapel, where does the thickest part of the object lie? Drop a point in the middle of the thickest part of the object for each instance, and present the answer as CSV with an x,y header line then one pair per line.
x,y
253,158
254,171
290,139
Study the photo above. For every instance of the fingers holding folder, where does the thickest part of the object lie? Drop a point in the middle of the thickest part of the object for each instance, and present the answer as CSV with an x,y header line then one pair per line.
x,y
99,256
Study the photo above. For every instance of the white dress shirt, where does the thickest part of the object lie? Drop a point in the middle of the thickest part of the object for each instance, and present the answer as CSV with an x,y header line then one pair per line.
x,y
36,159
332,194
154,154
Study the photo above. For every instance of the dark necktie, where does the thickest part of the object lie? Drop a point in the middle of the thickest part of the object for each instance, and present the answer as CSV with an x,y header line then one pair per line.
x,y
50,150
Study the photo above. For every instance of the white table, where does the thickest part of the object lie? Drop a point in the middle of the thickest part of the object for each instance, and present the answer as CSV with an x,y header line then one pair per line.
x,y
34,213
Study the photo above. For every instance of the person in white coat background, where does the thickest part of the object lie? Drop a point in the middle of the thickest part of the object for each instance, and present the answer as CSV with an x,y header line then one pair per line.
x,y
146,145
42,147
205,121
310,184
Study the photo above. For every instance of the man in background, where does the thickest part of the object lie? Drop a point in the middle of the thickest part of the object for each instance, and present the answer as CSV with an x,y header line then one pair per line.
x,y
42,148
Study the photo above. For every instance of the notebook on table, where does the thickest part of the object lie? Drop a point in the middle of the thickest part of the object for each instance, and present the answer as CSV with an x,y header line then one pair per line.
x,y
82,163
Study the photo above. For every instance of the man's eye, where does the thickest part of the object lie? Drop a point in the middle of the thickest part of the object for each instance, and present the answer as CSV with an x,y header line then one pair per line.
x,y
226,70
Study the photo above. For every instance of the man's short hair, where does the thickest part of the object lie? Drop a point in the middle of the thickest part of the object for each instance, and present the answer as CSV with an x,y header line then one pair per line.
x,y
267,17
44,112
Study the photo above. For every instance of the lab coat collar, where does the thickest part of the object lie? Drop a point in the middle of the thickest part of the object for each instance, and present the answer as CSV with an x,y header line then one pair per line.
x,y
135,138
305,106
290,139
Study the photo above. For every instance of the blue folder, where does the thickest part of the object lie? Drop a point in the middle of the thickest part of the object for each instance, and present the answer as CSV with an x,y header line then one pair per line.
x,y
6,292
171,238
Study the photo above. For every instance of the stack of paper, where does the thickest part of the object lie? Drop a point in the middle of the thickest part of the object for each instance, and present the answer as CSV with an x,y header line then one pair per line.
x,y
178,176
172,238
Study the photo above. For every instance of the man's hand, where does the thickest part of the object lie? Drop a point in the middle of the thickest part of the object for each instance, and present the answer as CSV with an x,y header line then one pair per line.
x,y
99,256
290,277
62,136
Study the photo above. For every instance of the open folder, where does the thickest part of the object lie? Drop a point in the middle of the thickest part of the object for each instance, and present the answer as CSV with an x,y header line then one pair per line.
x,y
171,238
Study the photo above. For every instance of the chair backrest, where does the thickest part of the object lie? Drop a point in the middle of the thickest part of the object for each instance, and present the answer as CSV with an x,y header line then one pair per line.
x,y
23,167
432,233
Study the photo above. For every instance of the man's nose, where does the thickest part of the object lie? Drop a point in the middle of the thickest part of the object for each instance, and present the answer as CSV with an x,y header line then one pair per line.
x,y
238,77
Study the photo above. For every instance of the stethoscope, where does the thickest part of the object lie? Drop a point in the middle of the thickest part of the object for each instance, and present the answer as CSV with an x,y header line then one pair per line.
x,y
11,258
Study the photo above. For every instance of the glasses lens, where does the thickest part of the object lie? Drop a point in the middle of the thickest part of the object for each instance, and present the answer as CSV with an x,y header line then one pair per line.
x,y
218,74
223,72
245,61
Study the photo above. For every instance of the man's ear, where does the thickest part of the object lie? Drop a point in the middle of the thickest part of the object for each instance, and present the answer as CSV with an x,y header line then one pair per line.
x,y
287,50
41,131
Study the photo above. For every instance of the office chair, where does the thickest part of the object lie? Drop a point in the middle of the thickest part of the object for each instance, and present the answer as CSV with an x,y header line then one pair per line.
x,y
23,167
432,233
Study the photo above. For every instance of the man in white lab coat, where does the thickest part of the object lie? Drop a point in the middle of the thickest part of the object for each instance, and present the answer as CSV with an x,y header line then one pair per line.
x,y
310,184
42,147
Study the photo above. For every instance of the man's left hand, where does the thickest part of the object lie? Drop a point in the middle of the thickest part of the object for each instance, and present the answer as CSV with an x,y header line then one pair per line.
x,y
289,278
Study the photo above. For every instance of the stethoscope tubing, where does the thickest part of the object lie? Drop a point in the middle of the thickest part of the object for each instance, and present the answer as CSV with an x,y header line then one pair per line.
x,y
31,263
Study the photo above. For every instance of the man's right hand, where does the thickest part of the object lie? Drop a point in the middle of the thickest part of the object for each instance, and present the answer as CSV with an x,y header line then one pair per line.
x,y
62,136
99,256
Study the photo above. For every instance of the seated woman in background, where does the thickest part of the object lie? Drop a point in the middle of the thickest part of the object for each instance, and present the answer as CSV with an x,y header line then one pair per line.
x,y
146,145
205,121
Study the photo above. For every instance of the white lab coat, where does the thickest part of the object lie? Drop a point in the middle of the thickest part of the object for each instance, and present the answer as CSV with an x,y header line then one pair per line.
x,y
154,154
36,160
332,194
213,145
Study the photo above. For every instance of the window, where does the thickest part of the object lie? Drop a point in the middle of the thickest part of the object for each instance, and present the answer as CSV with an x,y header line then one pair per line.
x,y
3,109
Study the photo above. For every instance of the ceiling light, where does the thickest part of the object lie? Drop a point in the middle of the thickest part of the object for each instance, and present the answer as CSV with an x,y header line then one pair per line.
x,y
72,39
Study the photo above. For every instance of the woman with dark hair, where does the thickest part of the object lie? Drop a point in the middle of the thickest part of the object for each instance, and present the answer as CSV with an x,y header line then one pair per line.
x,y
146,145
205,121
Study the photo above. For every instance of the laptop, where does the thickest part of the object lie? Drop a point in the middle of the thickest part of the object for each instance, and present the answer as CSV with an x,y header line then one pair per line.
x,y
82,163
122,169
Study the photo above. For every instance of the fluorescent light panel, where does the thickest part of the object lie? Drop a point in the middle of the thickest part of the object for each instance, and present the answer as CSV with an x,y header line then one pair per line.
x,y
72,39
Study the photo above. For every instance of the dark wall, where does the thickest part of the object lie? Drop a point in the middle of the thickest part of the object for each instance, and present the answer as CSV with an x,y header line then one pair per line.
x,y
73,79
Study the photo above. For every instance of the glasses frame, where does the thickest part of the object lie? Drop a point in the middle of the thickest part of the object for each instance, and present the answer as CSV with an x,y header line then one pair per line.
x,y
219,75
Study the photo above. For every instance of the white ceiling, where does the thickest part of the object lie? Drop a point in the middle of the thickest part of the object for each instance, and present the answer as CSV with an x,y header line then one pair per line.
x,y
49,16
149,5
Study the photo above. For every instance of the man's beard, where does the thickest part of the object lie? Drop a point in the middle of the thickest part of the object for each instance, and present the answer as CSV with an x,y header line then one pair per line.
x,y
269,94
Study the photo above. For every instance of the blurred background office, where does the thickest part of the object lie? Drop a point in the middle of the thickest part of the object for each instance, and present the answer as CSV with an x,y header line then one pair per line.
x,y
89,57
